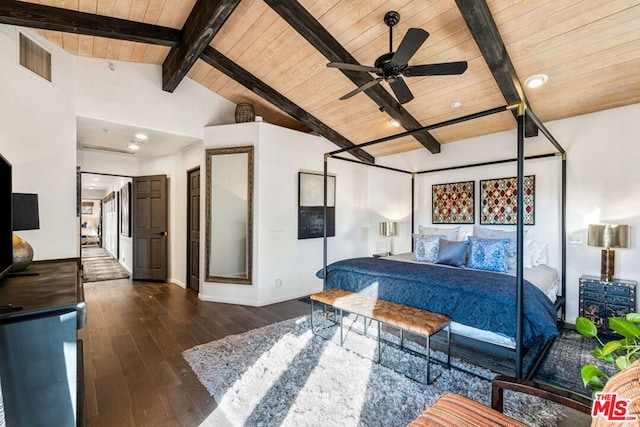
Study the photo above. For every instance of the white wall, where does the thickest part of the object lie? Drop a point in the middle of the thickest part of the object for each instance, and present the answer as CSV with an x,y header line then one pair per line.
x,y
38,136
132,94
108,163
602,187
120,246
278,256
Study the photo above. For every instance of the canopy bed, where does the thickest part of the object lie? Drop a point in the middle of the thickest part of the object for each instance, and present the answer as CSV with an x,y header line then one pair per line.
x,y
530,323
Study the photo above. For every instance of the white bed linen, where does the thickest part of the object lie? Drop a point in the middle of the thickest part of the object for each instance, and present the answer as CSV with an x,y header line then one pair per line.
x,y
543,277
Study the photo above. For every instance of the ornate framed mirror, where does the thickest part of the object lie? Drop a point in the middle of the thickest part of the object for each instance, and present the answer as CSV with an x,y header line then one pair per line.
x,y
229,215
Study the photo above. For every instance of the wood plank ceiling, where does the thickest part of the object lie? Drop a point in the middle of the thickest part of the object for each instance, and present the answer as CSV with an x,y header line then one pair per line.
x,y
590,50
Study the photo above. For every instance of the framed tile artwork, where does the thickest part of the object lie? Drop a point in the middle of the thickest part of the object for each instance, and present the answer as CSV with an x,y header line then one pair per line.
x,y
499,201
453,203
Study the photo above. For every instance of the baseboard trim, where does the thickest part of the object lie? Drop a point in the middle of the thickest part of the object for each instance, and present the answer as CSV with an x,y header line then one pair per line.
x,y
253,303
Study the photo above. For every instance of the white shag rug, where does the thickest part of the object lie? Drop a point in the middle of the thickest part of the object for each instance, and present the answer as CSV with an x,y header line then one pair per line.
x,y
283,375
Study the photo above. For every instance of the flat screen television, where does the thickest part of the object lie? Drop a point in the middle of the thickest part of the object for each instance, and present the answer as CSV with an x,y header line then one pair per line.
x,y
6,217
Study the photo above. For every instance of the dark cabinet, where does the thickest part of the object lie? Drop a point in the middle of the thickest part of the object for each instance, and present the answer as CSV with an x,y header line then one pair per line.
x,y
600,300
40,355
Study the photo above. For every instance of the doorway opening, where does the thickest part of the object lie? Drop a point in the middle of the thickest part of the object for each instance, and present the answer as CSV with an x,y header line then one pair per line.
x,y
104,239
91,223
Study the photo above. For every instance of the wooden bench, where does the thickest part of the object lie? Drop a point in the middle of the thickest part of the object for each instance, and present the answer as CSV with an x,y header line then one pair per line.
x,y
405,318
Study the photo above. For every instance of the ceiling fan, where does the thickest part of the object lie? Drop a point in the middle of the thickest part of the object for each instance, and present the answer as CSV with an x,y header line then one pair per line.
x,y
390,66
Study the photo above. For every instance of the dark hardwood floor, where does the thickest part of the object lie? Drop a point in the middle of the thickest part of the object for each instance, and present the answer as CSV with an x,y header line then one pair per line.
x,y
133,342
136,332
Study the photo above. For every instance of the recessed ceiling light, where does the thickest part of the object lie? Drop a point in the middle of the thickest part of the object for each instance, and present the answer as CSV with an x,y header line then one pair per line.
x,y
134,146
536,80
141,136
456,104
395,123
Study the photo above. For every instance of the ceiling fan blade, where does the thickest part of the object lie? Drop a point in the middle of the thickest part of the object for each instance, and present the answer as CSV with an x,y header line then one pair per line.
x,y
409,46
401,90
361,88
443,69
353,67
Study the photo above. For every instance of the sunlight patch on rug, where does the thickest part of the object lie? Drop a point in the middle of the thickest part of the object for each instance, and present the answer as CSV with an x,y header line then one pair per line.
x,y
282,375
238,405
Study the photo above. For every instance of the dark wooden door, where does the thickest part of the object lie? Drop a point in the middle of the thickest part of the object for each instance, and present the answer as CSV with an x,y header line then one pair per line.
x,y
193,229
149,219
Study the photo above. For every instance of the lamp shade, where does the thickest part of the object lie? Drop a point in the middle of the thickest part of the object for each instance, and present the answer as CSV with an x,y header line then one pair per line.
x,y
25,212
608,235
387,229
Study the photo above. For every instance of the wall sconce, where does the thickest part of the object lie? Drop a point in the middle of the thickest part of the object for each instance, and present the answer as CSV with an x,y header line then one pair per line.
x,y
388,230
608,236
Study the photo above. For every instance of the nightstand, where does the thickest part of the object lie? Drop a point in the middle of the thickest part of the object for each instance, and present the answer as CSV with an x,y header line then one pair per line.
x,y
600,300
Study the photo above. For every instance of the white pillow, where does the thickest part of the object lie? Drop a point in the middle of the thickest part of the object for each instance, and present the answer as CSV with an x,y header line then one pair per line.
x,y
450,233
535,253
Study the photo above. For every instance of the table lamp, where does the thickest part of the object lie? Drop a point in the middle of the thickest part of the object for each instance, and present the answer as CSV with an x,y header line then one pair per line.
x,y
25,217
388,229
608,236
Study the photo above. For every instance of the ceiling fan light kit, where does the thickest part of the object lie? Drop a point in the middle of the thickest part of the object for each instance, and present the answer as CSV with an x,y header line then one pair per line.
x,y
391,66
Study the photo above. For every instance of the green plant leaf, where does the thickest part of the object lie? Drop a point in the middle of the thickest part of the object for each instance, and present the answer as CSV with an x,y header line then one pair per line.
x,y
586,328
633,317
597,353
609,358
611,346
622,362
591,375
625,328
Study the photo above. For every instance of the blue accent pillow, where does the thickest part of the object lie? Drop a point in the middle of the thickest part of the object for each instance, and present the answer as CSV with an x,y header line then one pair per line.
x,y
453,253
488,254
490,233
426,247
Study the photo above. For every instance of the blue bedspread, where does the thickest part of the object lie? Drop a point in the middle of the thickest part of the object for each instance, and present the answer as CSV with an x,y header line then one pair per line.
x,y
476,298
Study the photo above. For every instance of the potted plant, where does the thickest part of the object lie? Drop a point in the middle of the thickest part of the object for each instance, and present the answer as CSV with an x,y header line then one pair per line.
x,y
621,352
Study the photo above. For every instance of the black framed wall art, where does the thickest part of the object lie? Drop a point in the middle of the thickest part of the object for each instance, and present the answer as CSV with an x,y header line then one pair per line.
x,y
311,205
499,201
453,203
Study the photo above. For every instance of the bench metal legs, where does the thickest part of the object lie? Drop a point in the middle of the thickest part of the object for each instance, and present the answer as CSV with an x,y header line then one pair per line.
x,y
311,318
341,334
428,359
379,345
449,346
340,314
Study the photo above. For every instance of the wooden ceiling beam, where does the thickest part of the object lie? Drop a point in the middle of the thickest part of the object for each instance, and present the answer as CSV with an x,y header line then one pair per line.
x,y
309,28
204,22
70,21
248,80
478,17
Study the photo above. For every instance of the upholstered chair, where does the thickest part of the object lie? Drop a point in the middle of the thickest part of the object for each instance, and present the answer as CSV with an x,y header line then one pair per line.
x,y
459,411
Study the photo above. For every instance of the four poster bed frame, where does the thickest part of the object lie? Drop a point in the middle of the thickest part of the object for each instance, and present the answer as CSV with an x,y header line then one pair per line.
x,y
523,114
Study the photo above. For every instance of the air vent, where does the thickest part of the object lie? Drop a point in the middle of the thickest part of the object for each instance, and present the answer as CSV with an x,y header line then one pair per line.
x,y
34,57
102,148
